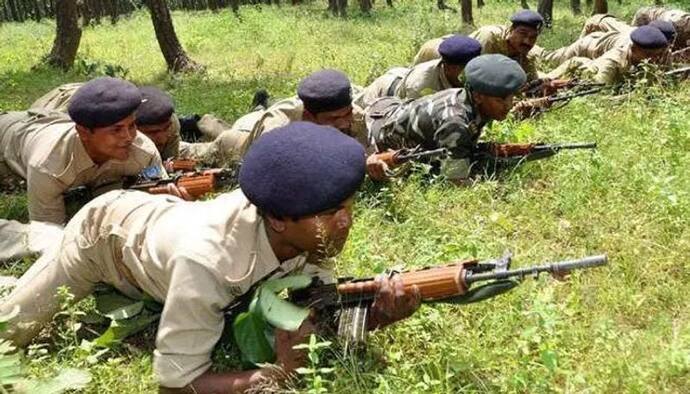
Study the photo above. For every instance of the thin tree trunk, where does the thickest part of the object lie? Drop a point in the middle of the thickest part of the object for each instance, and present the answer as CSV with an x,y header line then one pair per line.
x,y
480,3
341,7
545,9
16,16
466,11
523,4
174,54
576,6
389,3
67,35
600,7
37,10
441,4
365,6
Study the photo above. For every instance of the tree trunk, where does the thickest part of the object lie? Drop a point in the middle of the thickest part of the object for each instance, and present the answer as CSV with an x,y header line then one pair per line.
x,y
174,54
16,16
576,6
67,35
600,7
466,11
545,9
37,10
523,4
480,3
441,4
389,3
365,6
339,8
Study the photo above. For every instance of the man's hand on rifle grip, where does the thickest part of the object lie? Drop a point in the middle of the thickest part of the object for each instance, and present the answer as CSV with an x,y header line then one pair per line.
x,y
392,302
377,169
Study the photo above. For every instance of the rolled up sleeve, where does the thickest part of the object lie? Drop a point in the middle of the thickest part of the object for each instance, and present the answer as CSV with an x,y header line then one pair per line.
x,y
191,323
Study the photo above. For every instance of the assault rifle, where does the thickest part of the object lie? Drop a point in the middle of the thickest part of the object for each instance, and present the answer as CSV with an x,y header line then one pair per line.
x,y
681,56
197,183
348,300
532,107
395,158
491,157
682,71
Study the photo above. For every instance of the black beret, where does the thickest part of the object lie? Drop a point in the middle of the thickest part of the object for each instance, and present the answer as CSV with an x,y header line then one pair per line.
x,y
301,169
666,28
459,50
325,90
156,108
103,101
648,37
528,18
494,75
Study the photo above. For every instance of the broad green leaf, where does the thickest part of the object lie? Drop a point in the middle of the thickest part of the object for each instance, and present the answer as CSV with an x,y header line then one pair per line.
x,y
69,379
111,300
293,282
121,329
126,312
280,313
249,331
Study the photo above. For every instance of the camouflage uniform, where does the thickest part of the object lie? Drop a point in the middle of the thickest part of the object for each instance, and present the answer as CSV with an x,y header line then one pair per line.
x,y
493,39
590,46
605,23
446,119
680,20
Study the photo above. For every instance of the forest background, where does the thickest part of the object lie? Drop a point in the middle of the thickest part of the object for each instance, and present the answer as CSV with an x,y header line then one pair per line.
x,y
623,328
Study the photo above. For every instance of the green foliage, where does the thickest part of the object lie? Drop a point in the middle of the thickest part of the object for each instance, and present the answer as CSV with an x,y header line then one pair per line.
x,y
315,376
12,373
624,328
253,329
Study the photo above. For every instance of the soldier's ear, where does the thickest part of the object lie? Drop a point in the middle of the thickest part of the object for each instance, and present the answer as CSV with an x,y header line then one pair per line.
x,y
277,225
83,132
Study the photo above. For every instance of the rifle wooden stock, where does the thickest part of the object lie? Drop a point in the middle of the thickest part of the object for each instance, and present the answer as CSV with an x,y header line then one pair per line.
x,y
185,165
195,183
435,283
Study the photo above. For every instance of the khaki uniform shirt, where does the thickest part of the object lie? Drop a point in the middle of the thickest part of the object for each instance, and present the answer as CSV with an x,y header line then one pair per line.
x,y
493,40
291,110
194,257
45,150
590,46
385,85
605,23
679,18
277,115
58,100
423,79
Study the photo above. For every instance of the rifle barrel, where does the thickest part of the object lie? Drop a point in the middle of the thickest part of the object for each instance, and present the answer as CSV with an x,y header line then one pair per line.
x,y
582,145
558,267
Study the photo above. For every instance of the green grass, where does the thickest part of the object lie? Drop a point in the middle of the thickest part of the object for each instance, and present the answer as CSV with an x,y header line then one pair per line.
x,y
623,328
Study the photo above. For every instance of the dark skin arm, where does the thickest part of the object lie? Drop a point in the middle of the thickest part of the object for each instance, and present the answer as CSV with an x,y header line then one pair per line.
x,y
392,303
288,359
